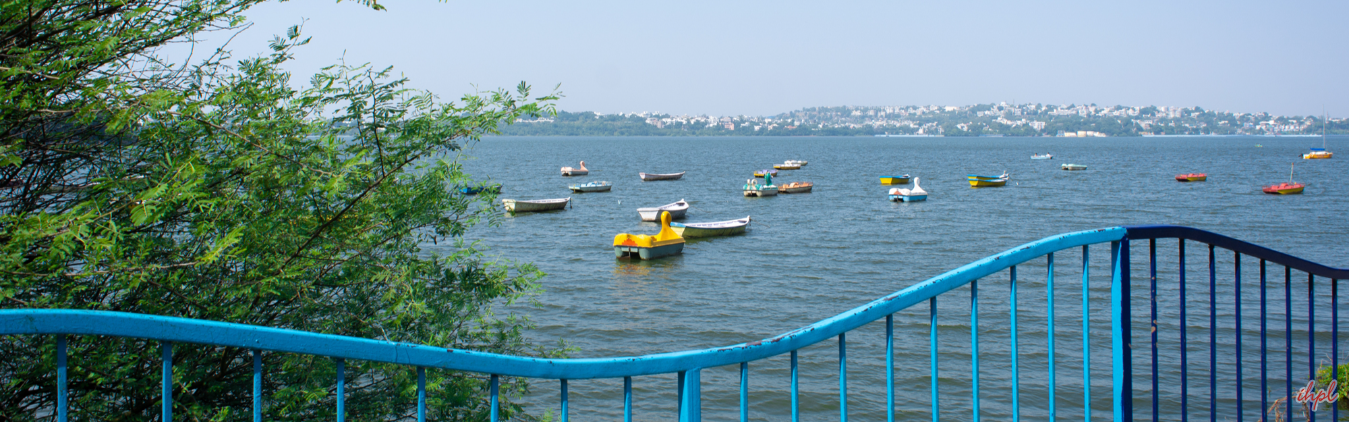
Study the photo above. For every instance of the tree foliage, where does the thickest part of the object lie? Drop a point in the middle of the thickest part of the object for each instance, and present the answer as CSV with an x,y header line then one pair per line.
x,y
219,191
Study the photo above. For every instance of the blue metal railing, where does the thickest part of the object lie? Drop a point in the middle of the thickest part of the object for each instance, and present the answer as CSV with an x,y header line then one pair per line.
x,y
688,364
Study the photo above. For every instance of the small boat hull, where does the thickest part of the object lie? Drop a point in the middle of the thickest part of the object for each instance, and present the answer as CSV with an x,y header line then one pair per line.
x,y
648,253
895,180
676,209
1074,167
517,206
786,167
720,228
1192,177
1284,189
1318,155
762,191
1042,157
584,189
796,187
647,177
907,198
987,183
761,173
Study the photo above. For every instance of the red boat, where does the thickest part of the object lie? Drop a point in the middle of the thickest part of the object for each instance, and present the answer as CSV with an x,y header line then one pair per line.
x,y
1192,177
1284,189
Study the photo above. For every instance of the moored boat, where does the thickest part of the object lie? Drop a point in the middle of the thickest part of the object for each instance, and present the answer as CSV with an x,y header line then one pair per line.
x,y
676,209
797,162
719,228
1041,156
1286,188
909,195
535,205
572,171
761,173
1073,167
1192,177
895,180
664,243
796,187
786,167
1319,153
592,187
474,190
977,181
646,177
754,190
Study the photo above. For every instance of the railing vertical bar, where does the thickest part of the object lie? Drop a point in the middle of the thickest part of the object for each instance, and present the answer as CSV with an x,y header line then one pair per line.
x,y
1264,348
680,377
890,368
1311,335
566,400
1335,341
1120,331
257,385
843,377
1184,346
421,394
1049,288
627,399
1086,333
1152,299
496,402
796,403
166,395
974,345
692,396
744,391
1288,339
62,396
932,356
1016,377
341,390
1236,292
1213,339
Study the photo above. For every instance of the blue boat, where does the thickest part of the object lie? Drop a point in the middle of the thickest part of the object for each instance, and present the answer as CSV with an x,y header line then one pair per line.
x,y
474,190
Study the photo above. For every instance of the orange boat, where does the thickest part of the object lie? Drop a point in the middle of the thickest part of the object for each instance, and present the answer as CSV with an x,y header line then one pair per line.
x,y
1286,188
1191,177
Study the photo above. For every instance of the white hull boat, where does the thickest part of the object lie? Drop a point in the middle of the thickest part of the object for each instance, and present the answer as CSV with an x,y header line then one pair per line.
x,y
676,209
535,205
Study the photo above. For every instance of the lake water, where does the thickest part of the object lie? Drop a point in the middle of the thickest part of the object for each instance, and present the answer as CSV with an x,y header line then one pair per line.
x,y
810,256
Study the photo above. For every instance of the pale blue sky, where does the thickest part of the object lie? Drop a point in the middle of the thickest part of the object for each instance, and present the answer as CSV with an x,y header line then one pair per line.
x,y
763,58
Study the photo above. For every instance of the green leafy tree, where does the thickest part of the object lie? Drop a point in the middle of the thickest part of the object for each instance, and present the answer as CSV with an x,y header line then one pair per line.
x,y
218,191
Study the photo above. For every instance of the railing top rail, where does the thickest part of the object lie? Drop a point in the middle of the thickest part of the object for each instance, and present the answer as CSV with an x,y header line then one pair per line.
x,y
35,321
1243,247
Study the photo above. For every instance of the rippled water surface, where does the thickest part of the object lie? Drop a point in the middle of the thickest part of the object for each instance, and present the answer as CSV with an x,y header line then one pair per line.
x,y
808,257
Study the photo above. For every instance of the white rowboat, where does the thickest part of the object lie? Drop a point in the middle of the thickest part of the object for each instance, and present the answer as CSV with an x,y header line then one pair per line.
x,y
655,176
720,228
676,209
535,205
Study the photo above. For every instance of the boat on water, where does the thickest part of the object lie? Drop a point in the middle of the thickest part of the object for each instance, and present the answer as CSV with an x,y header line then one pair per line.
x,y
676,209
591,187
1286,188
977,181
1041,156
535,205
664,243
1319,153
786,166
797,162
573,171
474,190
796,187
646,177
1192,177
909,195
761,173
719,228
755,190
1073,167
895,180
